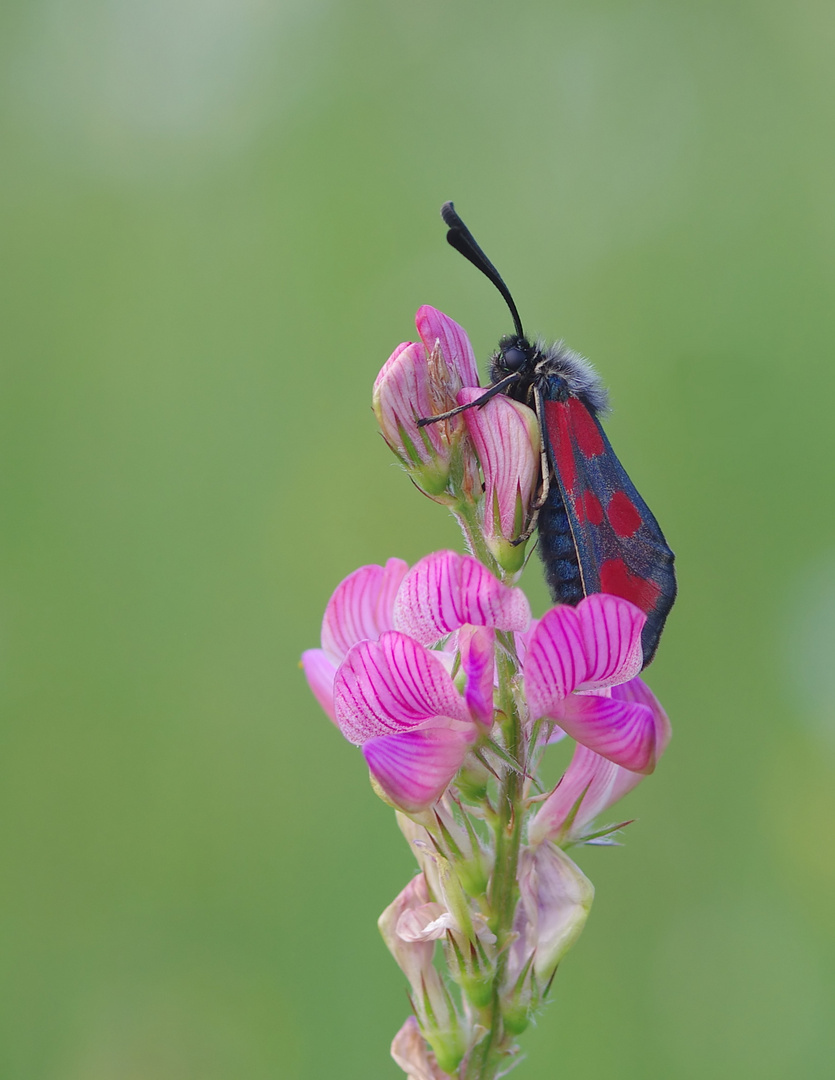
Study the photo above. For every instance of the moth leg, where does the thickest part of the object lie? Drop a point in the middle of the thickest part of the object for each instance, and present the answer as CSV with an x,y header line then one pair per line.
x,y
544,471
490,392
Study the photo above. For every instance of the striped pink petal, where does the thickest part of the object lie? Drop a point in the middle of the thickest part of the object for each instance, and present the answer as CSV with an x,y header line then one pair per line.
x,y
394,685
555,660
477,645
592,646
637,691
445,590
415,768
402,394
506,438
611,629
320,672
623,732
599,782
361,608
433,326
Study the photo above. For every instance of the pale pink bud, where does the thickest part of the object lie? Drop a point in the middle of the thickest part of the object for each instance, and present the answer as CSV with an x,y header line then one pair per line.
x,y
507,442
421,380
411,1052
555,898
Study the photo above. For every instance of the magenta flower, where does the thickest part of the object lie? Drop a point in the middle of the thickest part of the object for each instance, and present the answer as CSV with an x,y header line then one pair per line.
x,y
507,443
573,656
361,608
591,783
396,699
422,379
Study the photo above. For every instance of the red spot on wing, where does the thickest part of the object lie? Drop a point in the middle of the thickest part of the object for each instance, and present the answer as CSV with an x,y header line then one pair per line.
x,y
557,421
584,429
617,579
623,515
591,508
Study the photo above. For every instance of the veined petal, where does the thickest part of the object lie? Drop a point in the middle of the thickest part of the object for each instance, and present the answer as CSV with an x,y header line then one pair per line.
x,y
623,732
555,660
394,685
599,782
402,395
637,691
590,647
611,629
415,768
506,438
445,590
320,672
590,777
433,326
361,608
477,646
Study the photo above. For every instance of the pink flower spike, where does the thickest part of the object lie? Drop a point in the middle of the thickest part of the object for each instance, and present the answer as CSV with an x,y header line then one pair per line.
x,y
592,646
445,590
414,769
506,438
436,328
477,645
362,607
395,685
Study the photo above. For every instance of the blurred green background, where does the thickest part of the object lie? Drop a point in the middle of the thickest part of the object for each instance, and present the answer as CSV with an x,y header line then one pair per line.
x,y
218,219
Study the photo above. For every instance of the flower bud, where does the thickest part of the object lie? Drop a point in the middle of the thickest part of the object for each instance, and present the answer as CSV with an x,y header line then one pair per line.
x,y
421,380
555,897
507,442
411,1053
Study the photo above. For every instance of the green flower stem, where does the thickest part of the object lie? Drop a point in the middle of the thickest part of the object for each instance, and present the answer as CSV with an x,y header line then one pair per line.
x,y
490,1054
467,515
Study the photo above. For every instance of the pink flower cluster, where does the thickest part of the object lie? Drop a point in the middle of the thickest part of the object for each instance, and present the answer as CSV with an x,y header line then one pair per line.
x,y
392,637
453,692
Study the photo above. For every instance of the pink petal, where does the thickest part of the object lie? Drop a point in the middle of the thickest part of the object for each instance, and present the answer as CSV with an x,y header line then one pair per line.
x,y
636,690
592,646
555,661
589,776
433,326
445,590
320,671
477,646
411,1052
402,395
362,607
623,732
603,782
394,685
415,768
611,629
555,899
506,438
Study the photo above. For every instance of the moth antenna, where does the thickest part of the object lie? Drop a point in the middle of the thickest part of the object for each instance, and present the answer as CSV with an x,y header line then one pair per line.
x,y
460,237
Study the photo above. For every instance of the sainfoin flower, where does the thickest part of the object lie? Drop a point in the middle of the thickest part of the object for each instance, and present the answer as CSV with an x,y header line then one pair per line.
x,y
421,380
453,694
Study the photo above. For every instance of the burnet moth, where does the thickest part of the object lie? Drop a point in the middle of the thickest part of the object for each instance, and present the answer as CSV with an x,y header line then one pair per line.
x,y
596,533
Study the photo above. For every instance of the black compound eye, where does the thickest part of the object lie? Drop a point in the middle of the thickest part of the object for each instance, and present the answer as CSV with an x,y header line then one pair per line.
x,y
514,358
